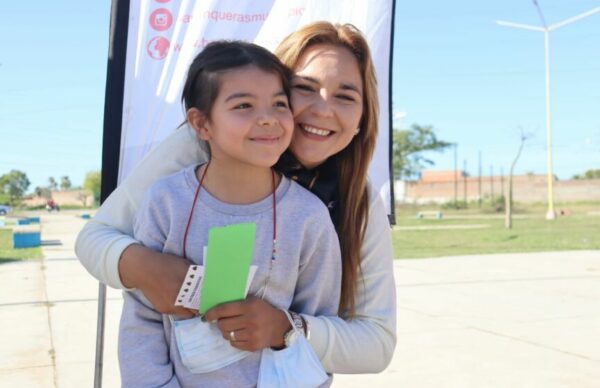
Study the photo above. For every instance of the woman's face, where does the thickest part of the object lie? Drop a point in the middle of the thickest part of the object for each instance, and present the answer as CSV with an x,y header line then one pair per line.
x,y
327,102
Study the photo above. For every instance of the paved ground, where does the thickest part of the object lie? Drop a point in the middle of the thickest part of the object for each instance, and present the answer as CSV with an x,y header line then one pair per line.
x,y
519,320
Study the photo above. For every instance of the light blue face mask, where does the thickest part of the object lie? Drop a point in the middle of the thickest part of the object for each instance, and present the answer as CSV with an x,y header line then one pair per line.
x,y
201,347
296,366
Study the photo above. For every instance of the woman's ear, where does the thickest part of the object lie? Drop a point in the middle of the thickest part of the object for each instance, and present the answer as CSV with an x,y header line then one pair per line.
x,y
198,120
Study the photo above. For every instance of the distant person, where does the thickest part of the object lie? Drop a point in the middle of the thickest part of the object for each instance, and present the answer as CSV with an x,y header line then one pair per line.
x,y
334,103
52,206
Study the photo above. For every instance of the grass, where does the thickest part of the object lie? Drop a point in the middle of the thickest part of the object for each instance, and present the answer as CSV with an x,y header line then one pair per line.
x,y
530,233
8,254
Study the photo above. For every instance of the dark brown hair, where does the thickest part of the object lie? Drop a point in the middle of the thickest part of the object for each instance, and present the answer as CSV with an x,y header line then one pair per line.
x,y
201,87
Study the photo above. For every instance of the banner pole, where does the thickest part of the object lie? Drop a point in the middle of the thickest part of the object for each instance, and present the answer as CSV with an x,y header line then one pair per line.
x,y
111,142
392,216
98,365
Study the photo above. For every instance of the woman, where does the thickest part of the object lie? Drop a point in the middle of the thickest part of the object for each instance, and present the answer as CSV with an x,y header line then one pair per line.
x,y
334,102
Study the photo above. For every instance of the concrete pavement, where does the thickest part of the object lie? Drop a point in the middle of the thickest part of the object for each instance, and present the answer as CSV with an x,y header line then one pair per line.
x,y
519,320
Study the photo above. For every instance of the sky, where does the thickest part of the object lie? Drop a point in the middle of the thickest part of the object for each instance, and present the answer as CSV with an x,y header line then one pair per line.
x,y
480,85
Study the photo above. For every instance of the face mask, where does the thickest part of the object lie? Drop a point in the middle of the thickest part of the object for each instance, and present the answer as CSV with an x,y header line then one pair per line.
x,y
202,348
296,366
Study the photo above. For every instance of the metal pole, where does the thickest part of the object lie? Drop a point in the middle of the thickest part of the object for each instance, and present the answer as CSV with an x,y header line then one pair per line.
x,y
492,182
502,182
98,366
465,181
479,183
550,215
455,175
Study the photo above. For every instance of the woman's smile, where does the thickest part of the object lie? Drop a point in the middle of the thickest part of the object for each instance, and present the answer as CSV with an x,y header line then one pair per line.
x,y
327,102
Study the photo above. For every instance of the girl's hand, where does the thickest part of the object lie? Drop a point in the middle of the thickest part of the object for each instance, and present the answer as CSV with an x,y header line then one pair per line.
x,y
257,324
159,276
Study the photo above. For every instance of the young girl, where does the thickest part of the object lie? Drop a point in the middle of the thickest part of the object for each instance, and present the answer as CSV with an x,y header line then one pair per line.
x,y
236,99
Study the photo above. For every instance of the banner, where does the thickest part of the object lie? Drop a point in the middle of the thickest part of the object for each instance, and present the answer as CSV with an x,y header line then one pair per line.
x,y
163,37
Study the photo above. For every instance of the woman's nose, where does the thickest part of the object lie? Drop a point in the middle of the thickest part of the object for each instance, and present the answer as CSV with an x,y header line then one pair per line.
x,y
322,104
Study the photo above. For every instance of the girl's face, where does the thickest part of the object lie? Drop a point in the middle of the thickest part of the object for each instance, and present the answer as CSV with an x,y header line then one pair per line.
x,y
327,100
250,122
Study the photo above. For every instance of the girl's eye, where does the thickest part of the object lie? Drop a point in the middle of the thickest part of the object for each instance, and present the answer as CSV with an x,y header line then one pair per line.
x,y
281,104
243,105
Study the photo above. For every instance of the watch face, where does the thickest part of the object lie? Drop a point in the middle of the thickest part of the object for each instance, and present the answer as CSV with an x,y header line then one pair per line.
x,y
291,337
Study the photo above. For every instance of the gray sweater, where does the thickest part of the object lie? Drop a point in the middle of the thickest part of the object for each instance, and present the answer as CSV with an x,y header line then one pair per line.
x,y
306,275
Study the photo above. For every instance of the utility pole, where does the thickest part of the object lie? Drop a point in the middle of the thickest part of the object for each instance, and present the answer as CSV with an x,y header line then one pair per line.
x,y
502,181
550,214
465,182
455,175
479,188
492,181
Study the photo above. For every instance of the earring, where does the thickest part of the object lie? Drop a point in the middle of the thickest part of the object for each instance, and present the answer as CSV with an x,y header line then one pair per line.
x,y
357,131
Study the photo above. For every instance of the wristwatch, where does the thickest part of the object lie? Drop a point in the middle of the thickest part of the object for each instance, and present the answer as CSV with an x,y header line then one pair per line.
x,y
294,332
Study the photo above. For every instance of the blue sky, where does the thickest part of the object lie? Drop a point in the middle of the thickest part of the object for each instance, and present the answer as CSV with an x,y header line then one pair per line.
x,y
477,83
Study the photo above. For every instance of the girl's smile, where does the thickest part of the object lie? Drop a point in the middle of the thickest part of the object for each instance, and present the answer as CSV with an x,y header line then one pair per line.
x,y
250,123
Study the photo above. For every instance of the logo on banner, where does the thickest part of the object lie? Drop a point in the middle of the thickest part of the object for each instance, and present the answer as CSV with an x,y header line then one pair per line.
x,y
161,19
158,47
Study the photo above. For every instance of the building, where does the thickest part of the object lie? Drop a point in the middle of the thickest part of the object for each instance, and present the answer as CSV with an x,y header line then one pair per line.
x,y
447,186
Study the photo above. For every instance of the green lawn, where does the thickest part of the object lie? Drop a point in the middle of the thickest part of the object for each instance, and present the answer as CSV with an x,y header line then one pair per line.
x,y
415,238
7,253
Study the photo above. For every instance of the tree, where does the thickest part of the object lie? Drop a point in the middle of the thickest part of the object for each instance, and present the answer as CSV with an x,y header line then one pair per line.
x,y
13,186
589,174
408,146
43,192
52,185
509,198
65,183
92,184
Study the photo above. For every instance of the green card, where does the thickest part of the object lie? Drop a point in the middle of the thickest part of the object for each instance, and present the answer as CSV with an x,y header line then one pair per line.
x,y
226,267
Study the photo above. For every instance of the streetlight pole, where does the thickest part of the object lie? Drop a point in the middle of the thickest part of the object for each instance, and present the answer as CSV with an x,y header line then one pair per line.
x,y
551,214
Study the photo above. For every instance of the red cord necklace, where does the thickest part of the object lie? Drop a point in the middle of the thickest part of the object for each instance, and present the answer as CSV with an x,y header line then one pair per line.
x,y
274,207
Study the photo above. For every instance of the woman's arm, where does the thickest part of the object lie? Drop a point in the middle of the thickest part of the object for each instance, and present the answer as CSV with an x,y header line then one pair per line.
x,y
364,344
104,245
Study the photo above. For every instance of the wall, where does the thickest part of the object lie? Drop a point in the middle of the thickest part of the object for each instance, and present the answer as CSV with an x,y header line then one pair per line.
x,y
526,188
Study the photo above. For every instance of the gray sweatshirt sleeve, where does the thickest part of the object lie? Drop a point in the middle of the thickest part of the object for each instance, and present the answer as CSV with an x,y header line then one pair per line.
x,y
143,351
143,348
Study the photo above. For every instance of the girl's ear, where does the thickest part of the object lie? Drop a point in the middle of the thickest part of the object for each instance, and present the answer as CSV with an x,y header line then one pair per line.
x,y
198,120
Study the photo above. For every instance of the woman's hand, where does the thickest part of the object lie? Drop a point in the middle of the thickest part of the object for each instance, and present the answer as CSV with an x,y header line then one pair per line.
x,y
158,275
255,323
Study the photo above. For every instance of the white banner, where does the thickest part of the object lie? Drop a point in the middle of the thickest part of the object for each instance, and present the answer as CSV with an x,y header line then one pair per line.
x,y
165,35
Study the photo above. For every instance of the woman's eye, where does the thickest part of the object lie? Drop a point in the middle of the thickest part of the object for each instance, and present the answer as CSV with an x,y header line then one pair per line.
x,y
346,97
303,87
281,104
242,106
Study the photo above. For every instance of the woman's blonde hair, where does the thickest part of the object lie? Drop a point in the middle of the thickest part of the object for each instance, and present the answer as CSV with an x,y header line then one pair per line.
x,y
353,161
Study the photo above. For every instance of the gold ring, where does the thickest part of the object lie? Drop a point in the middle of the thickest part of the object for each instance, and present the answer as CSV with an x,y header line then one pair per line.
x,y
232,336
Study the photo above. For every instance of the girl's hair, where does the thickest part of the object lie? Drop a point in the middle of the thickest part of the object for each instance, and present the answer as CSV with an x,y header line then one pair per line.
x,y
201,87
352,161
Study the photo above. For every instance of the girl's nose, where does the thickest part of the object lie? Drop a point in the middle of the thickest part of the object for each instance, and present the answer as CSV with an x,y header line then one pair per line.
x,y
266,119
